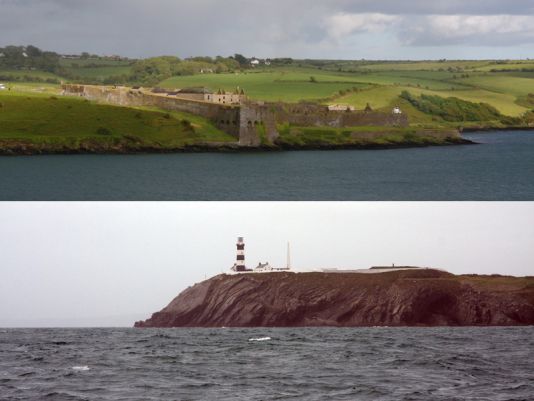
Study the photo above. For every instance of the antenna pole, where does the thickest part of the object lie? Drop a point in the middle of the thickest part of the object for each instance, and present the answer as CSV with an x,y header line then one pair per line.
x,y
288,257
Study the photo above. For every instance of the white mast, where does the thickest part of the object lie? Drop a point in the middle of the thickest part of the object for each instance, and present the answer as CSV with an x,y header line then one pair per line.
x,y
288,265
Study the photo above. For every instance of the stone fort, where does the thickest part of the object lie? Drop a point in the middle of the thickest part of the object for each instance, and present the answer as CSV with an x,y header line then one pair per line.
x,y
251,123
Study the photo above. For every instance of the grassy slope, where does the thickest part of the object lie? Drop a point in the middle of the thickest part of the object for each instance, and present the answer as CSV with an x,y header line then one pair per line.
x,y
290,85
100,72
91,68
42,119
424,65
28,73
350,136
380,87
96,68
502,90
379,84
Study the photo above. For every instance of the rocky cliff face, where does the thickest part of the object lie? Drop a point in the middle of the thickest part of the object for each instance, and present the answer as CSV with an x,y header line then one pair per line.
x,y
400,298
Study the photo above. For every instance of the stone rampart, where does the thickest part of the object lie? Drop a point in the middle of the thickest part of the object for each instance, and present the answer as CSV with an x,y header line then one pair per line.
x,y
224,117
308,115
252,123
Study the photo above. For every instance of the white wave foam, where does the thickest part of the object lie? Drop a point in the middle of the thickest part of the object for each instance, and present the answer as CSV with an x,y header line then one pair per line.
x,y
260,339
80,368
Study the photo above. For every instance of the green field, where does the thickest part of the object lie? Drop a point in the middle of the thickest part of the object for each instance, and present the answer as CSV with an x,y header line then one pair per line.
x,y
274,84
355,83
73,123
99,73
100,62
376,84
22,74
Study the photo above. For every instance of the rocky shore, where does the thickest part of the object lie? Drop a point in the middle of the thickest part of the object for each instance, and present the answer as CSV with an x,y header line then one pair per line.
x,y
10,147
399,298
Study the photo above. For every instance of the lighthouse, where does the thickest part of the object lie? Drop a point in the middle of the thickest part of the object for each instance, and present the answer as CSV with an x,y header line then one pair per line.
x,y
240,257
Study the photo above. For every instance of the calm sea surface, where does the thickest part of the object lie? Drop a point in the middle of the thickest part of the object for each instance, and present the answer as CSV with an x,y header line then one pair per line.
x,y
267,364
501,168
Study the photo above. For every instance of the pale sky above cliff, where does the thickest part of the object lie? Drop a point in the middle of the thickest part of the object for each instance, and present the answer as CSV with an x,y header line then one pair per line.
x,y
112,263
347,29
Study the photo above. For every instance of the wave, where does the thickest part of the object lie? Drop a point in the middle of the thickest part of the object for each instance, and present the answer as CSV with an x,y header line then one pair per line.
x,y
260,339
81,368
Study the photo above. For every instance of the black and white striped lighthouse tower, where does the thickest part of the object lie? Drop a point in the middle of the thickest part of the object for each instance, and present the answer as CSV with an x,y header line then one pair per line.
x,y
240,257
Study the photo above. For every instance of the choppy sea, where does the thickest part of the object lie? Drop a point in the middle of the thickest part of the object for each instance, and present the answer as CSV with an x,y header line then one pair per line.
x,y
268,364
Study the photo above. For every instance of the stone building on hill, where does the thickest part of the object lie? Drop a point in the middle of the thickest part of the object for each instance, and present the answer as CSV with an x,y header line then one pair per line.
x,y
223,97
206,95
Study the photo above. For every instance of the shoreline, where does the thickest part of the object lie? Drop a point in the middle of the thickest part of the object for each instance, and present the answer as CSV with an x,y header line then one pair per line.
x,y
31,149
486,129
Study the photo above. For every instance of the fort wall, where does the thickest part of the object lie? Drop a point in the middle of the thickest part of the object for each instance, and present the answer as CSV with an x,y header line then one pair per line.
x,y
252,123
308,115
224,117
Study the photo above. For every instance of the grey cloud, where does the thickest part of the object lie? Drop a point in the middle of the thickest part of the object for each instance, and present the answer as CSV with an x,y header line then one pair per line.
x,y
140,28
425,7
489,30
296,28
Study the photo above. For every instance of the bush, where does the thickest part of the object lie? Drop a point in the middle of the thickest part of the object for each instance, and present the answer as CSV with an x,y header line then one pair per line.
x,y
103,131
167,116
186,124
455,109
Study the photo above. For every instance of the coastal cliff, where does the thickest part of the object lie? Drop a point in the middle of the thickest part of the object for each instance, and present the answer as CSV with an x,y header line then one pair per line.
x,y
399,298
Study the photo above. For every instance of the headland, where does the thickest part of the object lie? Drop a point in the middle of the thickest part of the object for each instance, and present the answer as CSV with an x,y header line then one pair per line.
x,y
404,297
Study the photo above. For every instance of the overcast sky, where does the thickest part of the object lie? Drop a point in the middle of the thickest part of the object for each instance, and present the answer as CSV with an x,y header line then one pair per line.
x,y
112,263
347,29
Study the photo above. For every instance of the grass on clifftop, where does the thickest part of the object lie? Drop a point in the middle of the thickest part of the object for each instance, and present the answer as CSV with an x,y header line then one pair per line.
x,y
58,121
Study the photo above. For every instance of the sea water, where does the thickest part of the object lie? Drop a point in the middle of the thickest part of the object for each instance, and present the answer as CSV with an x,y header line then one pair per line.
x,y
487,363
501,167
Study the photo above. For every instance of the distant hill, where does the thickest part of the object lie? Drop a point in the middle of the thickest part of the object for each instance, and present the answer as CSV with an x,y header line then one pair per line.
x,y
400,298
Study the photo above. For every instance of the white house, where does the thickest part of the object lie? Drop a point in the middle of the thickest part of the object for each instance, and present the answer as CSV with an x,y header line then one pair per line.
x,y
254,62
263,267
397,110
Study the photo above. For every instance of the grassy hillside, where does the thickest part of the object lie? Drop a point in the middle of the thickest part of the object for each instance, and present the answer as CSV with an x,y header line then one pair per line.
x,y
94,70
74,123
380,84
291,136
290,85
12,75
504,85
